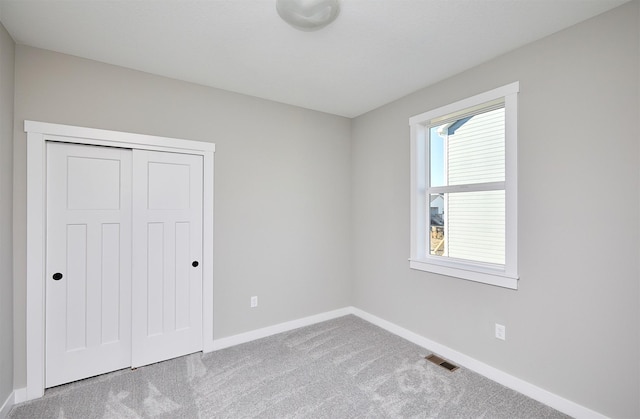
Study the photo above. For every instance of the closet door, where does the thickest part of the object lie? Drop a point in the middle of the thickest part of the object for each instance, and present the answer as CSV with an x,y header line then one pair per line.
x,y
88,261
167,256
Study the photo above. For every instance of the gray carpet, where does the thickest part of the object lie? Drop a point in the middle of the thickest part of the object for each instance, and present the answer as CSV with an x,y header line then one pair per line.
x,y
342,368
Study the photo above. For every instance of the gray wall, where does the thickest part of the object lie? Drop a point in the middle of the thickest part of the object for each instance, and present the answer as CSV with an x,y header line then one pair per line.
x,y
573,326
282,190
6,219
292,229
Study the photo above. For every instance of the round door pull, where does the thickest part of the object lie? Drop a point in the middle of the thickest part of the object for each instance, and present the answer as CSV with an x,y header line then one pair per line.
x,y
194,264
57,276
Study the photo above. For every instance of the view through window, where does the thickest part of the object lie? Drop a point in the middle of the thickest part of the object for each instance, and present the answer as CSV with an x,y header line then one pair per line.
x,y
467,151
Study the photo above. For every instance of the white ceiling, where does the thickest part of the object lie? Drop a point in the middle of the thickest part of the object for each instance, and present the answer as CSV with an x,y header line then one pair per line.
x,y
375,52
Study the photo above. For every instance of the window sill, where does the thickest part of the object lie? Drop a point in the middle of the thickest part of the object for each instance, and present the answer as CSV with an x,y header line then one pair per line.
x,y
497,278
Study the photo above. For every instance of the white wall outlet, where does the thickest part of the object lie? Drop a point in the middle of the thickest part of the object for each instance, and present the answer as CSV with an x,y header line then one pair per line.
x,y
501,331
254,301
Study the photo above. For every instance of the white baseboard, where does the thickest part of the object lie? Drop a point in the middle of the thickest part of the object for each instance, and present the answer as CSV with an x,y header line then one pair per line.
x,y
543,396
278,328
559,403
20,395
7,405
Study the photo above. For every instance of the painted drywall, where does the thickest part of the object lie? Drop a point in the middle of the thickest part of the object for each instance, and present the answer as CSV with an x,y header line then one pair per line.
x,y
573,325
282,190
578,298
6,220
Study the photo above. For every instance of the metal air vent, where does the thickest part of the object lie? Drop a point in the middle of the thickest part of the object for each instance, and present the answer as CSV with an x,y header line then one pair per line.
x,y
442,362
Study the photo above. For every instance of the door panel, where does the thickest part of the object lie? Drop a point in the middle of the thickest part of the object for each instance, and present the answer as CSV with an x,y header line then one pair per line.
x,y
167,238
110,293
76,287
88,310
183,265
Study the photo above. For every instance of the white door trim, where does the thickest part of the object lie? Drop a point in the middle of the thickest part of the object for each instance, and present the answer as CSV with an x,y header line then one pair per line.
x,y
38,133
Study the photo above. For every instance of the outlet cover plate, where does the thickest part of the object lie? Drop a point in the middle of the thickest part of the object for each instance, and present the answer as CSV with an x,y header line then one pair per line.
x,y
501,332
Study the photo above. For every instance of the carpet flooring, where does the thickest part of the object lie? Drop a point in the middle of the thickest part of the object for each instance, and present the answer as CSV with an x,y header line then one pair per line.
x,y
342,368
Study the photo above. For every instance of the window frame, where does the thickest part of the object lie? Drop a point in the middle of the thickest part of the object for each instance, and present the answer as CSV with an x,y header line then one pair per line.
x,y
493,274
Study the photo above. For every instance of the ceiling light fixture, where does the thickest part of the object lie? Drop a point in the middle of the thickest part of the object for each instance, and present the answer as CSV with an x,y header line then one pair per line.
x,y
308,15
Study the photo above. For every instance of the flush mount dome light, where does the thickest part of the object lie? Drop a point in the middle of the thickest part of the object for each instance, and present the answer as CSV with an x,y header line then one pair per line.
x,y
308,15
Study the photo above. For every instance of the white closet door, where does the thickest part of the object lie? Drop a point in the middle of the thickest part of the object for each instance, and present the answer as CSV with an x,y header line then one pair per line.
x,y
88,248
167,255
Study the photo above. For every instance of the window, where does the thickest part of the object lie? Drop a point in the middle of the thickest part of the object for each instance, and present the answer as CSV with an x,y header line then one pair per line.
x,y
464,189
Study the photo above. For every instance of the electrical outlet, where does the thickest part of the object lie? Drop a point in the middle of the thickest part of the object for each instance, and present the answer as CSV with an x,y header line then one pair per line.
x,y
254,301
501,331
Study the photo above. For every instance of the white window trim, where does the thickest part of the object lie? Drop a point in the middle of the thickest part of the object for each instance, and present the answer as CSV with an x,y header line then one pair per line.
x,y
501,275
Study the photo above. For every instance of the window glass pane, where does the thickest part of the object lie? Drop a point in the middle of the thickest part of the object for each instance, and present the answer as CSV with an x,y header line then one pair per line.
x,y
436,224
472,150
436,158
468,225
475,225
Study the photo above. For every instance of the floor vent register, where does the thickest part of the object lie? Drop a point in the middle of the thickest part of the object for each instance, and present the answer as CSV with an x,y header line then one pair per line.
x,y
442,362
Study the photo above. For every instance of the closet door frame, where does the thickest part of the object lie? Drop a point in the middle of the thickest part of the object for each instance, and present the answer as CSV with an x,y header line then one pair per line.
x,y
38,134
